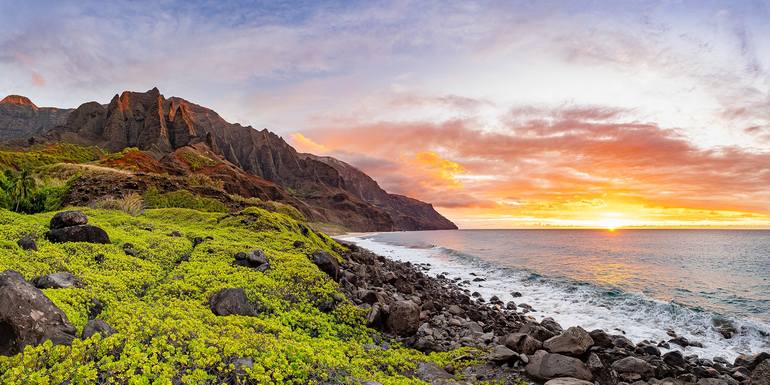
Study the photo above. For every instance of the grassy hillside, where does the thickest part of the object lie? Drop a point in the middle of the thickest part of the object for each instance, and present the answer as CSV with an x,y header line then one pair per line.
x,y
157,301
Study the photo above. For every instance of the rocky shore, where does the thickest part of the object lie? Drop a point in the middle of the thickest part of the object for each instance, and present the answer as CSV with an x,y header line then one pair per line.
x,y
435,314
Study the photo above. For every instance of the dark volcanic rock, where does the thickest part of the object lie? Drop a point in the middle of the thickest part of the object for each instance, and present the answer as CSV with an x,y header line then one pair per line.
x,y
68,219
761,374
28,317
523,343
574,341
327,263
95,326
255,260
59,280
231,302
82,233
543,365
634,368
404,318
27,243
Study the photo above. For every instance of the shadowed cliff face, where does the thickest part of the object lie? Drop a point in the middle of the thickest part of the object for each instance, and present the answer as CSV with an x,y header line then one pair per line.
x,y
19,117
330,190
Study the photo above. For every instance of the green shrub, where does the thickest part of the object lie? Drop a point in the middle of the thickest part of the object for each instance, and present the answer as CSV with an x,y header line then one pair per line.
x,y
48,154
197,161
273,206
153,198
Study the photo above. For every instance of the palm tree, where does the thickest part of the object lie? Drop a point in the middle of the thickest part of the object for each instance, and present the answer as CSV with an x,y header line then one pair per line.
x,y
22,186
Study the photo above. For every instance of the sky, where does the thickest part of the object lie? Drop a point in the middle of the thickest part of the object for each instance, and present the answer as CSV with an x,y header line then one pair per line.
x,y
501,114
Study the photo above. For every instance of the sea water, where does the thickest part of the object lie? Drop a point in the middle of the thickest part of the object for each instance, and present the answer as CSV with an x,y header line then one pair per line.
x,y
642,283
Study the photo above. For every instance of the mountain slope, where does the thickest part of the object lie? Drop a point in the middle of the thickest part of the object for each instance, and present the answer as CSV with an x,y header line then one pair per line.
x,y
420,216
325,190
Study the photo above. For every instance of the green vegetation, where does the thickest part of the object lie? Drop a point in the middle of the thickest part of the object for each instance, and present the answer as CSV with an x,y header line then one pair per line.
x,y
181,199
197,161
158,303
22,192
43,155
276,207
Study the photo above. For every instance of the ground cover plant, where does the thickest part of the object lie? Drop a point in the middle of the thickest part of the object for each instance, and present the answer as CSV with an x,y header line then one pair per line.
x,y
156,297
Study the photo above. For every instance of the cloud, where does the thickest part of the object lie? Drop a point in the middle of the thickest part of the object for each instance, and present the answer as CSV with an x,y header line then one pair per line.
x,y
562,160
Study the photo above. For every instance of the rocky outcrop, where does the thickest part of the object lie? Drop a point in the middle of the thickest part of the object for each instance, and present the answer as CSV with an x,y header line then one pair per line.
x,y
20,118
28,317
71,226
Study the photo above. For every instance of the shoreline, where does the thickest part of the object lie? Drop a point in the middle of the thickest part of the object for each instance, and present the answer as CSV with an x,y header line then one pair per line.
x,y
450,318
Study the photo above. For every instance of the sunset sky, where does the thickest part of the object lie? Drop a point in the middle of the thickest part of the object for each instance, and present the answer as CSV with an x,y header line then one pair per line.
x,y
502,114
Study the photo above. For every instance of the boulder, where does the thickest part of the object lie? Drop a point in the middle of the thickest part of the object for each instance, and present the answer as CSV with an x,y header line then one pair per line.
x,y
633,366
522,343
574,341
27,243
68,219
231,302
404,318
568,381
501,353
95,326
751,362
550,324
58,280
761,373
255,260
675,358
28,317
536,331
81,233
430,372
545,366
601,338
327,263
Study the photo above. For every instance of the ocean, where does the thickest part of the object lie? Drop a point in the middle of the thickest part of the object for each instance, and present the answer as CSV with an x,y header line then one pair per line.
x,y
639,282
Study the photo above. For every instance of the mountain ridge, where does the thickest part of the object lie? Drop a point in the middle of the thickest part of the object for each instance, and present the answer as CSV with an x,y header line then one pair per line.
x,y
324,190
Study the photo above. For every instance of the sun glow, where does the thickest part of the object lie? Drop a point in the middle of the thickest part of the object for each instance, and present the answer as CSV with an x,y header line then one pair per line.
x,y
611,221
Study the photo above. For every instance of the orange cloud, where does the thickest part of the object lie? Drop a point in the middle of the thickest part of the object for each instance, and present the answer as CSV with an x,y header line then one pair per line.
x,y
568,166
304,144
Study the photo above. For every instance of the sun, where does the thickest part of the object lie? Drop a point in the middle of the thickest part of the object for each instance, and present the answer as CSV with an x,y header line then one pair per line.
x,y
611,221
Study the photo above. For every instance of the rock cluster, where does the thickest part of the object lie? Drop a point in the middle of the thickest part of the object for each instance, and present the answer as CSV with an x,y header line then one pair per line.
x,y
72,226
427,313
255,260
434,314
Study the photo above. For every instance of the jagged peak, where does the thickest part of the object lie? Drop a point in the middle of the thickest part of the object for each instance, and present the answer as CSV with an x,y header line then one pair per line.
x,y
18,99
